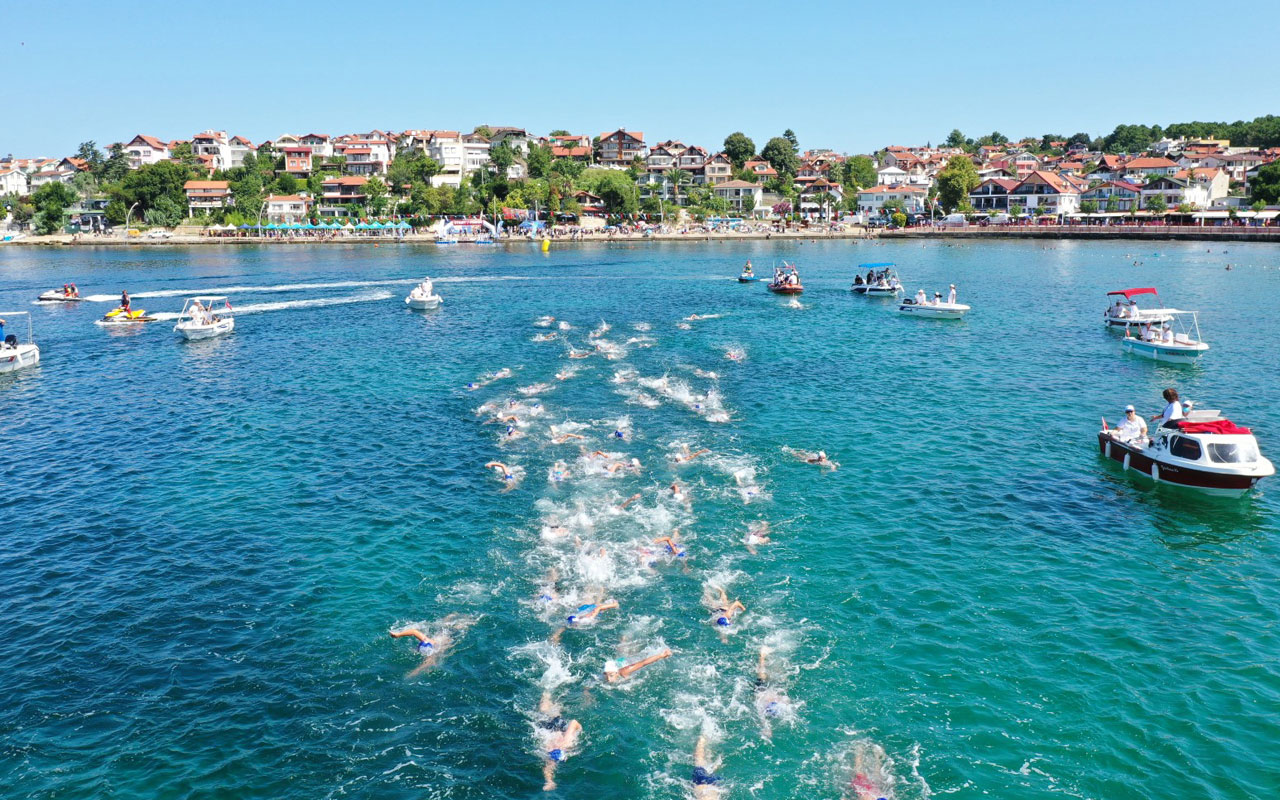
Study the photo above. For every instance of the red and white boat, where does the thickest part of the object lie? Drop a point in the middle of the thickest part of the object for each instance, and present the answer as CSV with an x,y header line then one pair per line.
x,y
786,280
1123,314
1204,451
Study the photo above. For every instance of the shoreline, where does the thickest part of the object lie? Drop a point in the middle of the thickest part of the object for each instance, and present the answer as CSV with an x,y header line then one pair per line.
x,y
185,240
1189,233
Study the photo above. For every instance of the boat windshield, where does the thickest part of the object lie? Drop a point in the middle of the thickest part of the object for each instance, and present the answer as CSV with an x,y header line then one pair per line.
x,y
1184,447
1242,451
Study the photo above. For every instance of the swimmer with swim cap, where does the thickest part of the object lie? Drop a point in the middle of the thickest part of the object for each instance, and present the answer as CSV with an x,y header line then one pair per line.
x,y
614,672
704,778
558,735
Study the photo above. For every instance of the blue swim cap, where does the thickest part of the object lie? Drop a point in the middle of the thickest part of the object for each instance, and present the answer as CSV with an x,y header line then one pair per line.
x,y
556,754
722,622
772,709
572,619
471,385
619,434
425,645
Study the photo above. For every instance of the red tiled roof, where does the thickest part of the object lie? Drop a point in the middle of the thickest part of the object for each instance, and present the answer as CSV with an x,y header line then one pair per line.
x,y
1149,163
205,185
151,141
346,180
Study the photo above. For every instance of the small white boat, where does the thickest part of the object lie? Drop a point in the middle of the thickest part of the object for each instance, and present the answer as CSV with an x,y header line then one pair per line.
x,y
446,238
197,320
1121,314
934,310
881,280
1204,451
14,355
423,297
1161,342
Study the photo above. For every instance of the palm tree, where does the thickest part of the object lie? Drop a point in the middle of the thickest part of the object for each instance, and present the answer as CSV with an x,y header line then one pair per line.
x,y
825,200
677,178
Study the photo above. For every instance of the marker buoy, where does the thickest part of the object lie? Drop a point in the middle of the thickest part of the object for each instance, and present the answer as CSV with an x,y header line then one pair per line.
x,y
546,245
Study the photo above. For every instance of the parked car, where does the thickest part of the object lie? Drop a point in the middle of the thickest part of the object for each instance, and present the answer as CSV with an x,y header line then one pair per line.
x,y
158,233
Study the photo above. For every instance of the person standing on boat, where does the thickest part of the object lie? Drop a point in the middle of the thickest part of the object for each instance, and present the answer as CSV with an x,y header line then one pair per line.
x,y
1172,412
1133,428
951,296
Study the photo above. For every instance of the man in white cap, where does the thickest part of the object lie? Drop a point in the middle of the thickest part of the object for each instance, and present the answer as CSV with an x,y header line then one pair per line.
x,y
951,295
1133,428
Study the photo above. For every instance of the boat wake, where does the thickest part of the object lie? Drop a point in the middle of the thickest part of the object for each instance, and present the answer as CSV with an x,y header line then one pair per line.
x,y
319,302
303,287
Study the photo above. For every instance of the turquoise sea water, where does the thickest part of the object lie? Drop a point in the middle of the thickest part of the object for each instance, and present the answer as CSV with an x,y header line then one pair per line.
x,y
205,544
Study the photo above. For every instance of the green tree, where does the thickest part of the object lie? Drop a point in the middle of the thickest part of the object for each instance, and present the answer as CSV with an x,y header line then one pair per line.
x,y
1113,204
165,212
1266,187
899,219
739,148
246,193
790,136
1156,204
676,178
957,139
115,212
51,202
559,132
568,168
1089,206
147,184
89,153
859,173
116,166
781,155
956,180
501,157
183,154
484,131
539,161
376,193
286,184
1258,205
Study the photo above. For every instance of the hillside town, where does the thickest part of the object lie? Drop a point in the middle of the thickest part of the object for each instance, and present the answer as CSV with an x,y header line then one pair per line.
x,y
512,180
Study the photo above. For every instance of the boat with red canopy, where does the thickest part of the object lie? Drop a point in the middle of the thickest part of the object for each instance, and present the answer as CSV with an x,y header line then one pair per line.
x,y
1125,312
1203,451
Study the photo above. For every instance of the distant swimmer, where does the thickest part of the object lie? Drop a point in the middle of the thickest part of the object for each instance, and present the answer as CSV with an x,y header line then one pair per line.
x,y
673,547
558,738
623,505
614,672
677,493
508,475
579,353
704,778
867,769
564,437
685,456
633,464
757,534
558,473
818,459
432,647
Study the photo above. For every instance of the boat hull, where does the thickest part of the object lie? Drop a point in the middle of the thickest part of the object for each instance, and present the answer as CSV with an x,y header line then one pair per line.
x,y
941,311
786,289
21,357
1143,319
878,292
1168,353
58,297
1138,460
195,333
423,303
747,279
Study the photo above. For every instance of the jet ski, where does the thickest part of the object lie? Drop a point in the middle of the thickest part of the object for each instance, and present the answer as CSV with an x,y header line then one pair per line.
x,y
120,316
56,295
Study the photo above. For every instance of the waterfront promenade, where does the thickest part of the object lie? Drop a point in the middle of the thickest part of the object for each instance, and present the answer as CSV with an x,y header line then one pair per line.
x,y
1096,232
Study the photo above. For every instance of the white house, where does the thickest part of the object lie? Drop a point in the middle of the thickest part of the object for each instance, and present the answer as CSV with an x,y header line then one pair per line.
x,y
1199,188
366,156
288,208
891,176
214,148
812,200
1052,194
143,149
744,196
13,181
206,195
319,144
239,148
457,155
871,201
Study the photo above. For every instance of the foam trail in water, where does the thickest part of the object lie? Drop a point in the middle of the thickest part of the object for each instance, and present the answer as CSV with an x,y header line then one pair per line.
x,y
319,302
302,287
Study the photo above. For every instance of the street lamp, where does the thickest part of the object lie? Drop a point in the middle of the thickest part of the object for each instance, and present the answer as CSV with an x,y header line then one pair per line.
x,y
258,229
127,215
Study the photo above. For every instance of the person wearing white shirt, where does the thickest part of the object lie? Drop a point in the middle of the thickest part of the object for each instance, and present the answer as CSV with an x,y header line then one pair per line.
x,y
921,298
1172,412
951,295
1167,335
1132,428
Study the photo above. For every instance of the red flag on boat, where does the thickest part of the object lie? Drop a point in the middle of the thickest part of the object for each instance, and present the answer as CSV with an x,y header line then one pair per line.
x,y
227,303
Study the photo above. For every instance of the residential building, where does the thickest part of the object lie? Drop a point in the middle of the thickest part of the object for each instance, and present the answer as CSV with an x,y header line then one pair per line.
x,y
592,205
576,148
814,198
516,138
661,159
717,169
365,156
1144,167
621,147
1114,196
1110,168
992,194
214,148
240,147
871,201
320,145
14,181
288,208
1052,194
1200,188
297,161
338,192
203,196
761,169
891,176
743,196
457,155
143,149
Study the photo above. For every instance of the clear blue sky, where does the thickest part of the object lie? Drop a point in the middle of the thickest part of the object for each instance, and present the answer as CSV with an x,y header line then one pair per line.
x,y
852,76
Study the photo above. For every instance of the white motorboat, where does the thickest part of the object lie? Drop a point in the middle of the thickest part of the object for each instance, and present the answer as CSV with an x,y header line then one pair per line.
x,y
881,280
1123,313
1176,342
935,310
1203,451
14,355
197,320
423,297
